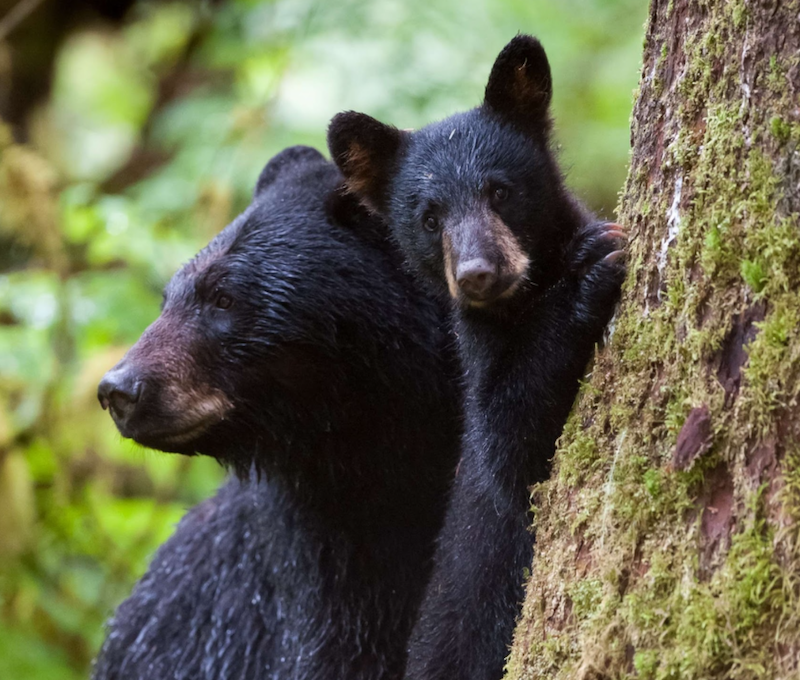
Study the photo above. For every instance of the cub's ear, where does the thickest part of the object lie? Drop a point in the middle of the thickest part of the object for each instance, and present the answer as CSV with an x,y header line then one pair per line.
x,y
366,152
288,160
520,87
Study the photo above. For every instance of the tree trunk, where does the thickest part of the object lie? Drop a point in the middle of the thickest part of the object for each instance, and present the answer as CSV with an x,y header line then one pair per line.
x,y
667,538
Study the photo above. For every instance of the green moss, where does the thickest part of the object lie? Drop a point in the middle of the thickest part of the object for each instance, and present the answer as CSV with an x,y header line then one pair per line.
x,y
754,275
651,481
581,456
586,596
714,254
658,78
646,663
789,497
778,248
684,628
678,407
781,130
773,365
776,76
750,581
739,14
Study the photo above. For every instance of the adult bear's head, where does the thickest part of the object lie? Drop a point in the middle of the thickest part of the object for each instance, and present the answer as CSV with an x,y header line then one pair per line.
x,y
293,339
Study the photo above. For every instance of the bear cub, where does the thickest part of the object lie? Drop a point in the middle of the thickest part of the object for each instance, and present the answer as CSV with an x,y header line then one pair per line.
x,y
294,350
479,209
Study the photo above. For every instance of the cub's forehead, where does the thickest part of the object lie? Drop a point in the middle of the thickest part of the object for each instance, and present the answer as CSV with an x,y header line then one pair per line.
x,y
470,147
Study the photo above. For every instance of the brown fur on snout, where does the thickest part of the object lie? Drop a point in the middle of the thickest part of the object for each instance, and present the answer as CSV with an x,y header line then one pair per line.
x,y
490,238
195,410
515,259
449,265
179,403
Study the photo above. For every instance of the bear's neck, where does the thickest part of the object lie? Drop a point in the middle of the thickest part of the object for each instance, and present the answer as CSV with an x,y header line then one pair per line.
x,y
372,464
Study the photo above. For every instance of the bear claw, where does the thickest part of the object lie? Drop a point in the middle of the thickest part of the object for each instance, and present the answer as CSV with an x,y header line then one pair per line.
x,y
614,256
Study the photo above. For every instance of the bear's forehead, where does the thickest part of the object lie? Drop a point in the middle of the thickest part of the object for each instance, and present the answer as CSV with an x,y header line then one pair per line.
x,y
197,274
209,264
254,235
468,149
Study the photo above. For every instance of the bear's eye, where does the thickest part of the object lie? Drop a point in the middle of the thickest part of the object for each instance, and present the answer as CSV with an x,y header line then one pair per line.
x,y
430,223
500,194
223,301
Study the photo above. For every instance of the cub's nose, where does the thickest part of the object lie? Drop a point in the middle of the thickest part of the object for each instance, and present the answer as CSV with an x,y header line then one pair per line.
x,y
119,390
476,277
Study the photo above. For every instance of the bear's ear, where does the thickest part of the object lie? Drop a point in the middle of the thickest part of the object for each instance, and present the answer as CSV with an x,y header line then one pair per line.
x,y
366,152
520,87
284,162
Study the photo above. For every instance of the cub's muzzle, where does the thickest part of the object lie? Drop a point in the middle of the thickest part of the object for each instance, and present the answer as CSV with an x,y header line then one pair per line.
x,y
483,260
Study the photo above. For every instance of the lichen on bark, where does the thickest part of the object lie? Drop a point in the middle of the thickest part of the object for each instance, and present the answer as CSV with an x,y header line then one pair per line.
x,y
667,536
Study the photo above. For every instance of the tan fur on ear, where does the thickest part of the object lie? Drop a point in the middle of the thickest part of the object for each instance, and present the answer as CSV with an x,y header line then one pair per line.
x,y
526,89
360,173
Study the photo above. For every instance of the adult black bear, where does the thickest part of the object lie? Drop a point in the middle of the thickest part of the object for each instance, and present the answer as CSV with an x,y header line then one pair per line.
x,y
294,349
480,211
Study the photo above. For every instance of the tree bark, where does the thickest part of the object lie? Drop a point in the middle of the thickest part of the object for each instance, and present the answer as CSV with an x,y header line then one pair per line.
x,y
667,537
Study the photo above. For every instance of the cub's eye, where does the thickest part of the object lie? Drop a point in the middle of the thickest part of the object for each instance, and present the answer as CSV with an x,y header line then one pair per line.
x,y
223,301
500,194
431,223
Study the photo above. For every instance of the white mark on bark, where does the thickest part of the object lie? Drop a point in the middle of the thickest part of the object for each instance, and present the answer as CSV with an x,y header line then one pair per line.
x,y
743,71
674,225
608,489
652,73
612,327
743,74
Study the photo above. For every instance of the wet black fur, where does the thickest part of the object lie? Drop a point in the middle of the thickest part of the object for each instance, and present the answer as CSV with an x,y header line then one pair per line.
x,y
345,406
522,357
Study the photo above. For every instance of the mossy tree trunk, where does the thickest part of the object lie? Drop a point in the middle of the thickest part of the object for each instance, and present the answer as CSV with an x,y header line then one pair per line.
x,y
667,538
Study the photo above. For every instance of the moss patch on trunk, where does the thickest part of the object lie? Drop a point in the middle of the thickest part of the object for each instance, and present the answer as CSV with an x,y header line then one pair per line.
x,y
667,537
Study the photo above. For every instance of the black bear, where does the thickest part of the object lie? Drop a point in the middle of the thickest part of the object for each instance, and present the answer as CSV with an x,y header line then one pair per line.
x,y
480,211
294,349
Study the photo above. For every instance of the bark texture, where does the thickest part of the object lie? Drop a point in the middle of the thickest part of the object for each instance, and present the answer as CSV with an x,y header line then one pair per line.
x,y
667,538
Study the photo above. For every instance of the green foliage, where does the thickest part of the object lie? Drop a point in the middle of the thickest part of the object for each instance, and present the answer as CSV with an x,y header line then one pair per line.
x,y
150,142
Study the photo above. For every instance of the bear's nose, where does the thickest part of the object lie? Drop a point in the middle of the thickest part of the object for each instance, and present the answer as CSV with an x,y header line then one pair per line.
x,y
119,390
476,277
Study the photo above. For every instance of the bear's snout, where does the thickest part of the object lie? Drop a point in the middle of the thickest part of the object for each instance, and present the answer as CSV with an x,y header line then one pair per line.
x,y
119,391
476,278
483,259
158,395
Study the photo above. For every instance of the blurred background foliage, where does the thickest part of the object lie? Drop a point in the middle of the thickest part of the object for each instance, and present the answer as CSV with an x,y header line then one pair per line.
x,y
131,132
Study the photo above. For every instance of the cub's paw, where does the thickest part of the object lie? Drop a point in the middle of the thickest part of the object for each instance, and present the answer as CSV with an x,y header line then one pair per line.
x,y
600,243
596,260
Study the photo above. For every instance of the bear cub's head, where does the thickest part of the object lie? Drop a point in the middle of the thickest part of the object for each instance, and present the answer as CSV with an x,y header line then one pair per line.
x,y
475,201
